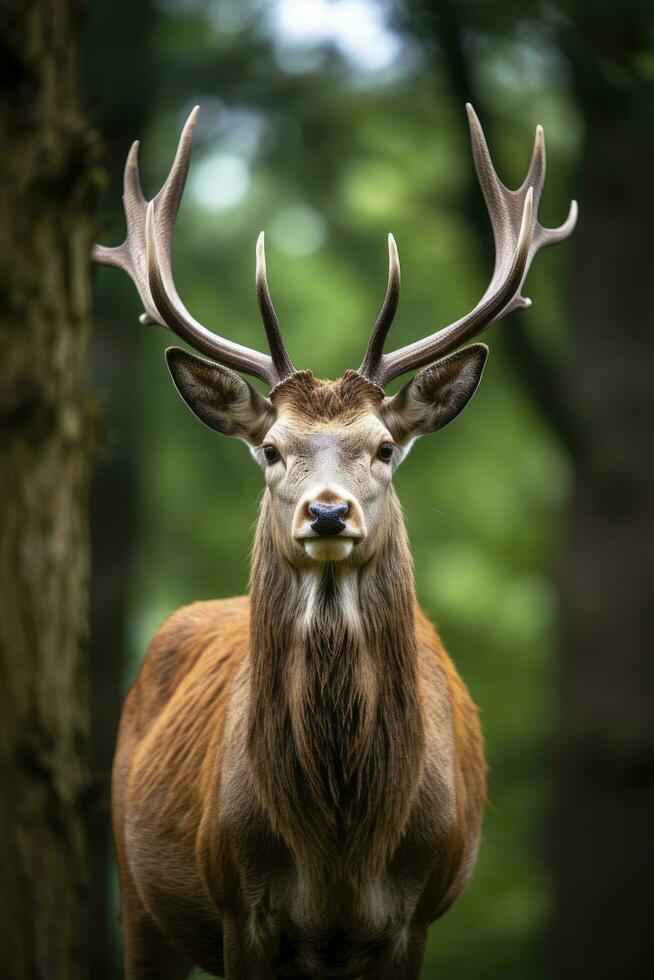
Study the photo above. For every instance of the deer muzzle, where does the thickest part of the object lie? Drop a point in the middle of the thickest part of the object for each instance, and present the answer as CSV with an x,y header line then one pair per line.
x,y
328,524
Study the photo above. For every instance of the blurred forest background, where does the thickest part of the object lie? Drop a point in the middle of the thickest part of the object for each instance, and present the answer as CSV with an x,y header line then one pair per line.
x,y
329,123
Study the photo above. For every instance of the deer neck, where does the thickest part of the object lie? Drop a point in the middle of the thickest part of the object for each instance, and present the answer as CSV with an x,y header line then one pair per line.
x,y
334,710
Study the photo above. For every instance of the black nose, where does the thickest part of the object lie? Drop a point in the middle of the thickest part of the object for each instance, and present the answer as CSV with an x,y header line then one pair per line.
x,y
328,521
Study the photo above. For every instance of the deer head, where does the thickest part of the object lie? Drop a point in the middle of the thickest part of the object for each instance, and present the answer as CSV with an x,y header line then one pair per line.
x,y
328,450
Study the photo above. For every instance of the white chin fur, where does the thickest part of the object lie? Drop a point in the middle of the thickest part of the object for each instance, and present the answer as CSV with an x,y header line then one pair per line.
x,y
328,549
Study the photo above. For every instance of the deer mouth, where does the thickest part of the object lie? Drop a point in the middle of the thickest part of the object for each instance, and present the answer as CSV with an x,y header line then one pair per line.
x,y
328,548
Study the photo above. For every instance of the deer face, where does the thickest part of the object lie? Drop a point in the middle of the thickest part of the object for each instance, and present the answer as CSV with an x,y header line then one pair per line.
x,y
328,459
328,450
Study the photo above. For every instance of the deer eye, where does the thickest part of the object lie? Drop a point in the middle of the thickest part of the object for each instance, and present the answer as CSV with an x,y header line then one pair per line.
x,y
271,454
385,451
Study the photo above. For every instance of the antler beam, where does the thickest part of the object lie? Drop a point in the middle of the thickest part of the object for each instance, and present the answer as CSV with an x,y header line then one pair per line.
x,y
146,256
518,236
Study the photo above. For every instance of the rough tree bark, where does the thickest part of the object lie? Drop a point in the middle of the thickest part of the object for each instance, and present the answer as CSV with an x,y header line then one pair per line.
x,y
605,802
46,436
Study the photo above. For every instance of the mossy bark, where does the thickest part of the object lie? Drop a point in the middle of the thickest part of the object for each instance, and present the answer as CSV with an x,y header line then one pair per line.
x,y
46,439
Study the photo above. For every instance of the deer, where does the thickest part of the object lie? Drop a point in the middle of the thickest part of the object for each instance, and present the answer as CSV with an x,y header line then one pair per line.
x,y
299,779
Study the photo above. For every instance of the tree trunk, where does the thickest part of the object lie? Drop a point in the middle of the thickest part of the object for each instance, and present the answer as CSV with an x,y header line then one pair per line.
x,y
604,859
46,434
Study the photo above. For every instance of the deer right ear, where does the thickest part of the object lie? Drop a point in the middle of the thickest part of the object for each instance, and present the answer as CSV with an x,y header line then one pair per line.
x,y
220,398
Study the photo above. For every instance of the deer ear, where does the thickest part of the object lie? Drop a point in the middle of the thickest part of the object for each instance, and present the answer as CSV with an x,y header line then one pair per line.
x,y
435,395
220,398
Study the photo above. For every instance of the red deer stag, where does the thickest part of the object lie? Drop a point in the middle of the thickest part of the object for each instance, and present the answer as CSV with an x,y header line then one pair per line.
x,y
299,782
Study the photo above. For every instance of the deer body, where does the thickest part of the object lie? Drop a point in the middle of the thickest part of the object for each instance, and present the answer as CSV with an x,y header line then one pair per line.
x,y
321,796
299,780
202,850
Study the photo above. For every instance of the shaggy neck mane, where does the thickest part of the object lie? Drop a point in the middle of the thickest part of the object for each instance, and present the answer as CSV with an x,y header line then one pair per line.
x,y
335,732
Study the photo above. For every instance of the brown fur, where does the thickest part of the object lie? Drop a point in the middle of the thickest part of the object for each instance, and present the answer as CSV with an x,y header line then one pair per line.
x,y
313,400
299,781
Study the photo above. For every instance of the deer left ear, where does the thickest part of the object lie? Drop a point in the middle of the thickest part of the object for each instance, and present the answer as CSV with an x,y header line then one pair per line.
x,y
435,395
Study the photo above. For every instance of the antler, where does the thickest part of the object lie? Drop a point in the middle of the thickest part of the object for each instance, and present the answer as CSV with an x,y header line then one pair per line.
x,y
146,255
518,236
375,349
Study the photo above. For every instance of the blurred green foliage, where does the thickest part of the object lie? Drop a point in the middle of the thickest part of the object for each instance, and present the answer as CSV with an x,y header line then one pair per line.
x,y
330,124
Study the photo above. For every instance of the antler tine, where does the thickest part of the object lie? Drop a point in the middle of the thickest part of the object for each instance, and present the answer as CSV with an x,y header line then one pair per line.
x,y
518,236
537,165
281,360
375,349
129,255
168,199
146,256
